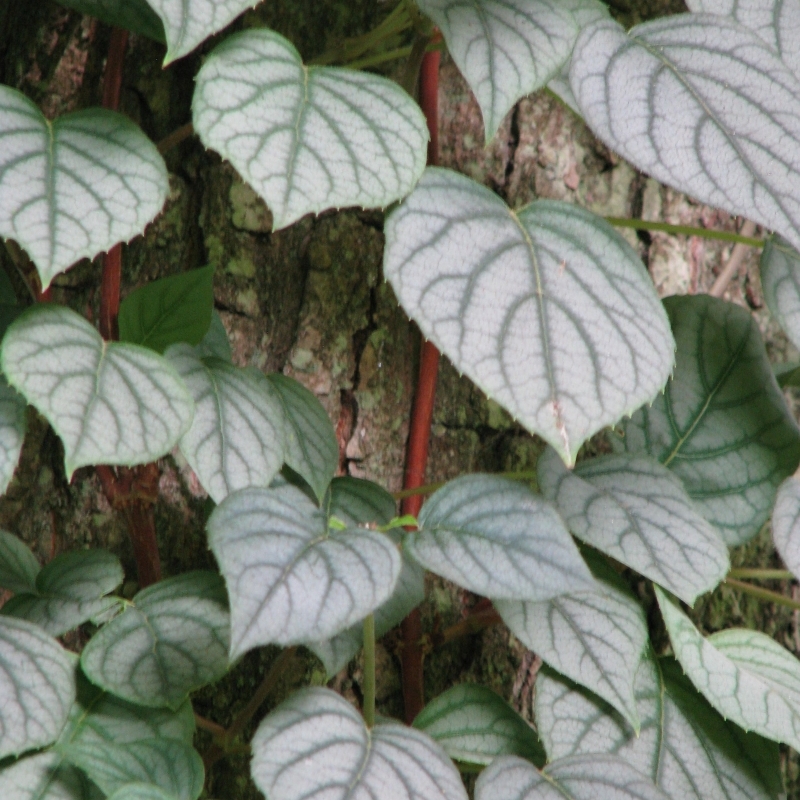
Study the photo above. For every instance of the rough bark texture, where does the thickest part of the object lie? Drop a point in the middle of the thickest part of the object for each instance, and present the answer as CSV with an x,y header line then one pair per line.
x,y
311,301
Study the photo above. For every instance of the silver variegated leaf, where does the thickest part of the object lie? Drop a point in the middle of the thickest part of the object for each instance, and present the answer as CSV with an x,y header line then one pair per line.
x,y
72,188
532,305
592,777
12,431
307,138
780,279
315,746
702,104
746,675
171,640
141,791
635,510
290,580
722,425
111,403
496,538
596,638
507,49
45,776
786,524
237,436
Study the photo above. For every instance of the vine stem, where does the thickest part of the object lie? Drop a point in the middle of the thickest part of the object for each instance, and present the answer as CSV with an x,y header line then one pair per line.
x,y
760,574
411,655
763,594
731,269
369,671
686,230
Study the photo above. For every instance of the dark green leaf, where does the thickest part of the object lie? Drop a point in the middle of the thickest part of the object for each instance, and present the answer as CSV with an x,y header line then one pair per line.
x,y
133,15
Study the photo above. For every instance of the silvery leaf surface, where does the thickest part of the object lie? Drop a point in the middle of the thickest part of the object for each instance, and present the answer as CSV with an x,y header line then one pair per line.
x,y
141,791
702,104
507,49
475,725
591,777
307,138
684,745
745,675
635,510
237,436
722,425
595,638
45,776
290,580
18,565
496,538
786,524
73,188
780,280
215,343
315,746
312,450
532,305
111,403
37,687
777,22
187,24
12,431
172,639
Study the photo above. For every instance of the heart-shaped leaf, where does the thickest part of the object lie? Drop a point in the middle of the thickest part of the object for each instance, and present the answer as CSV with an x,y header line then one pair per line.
x,y
307,138
786,524
111,403
312,450
237,435
532,305
133,15
169,764
507,49
72,188
141,791
172,640
593,777
315,746
215,343
45,776
69,590
187,24
18,565
593,637
684,745
37,687
291,580
746,675
359,502
722,425
780,279
635,510
12,431
170,310
475,725
496,538
699,103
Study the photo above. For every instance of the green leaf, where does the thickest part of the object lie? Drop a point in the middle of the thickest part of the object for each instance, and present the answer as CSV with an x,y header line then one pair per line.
x,y
12,431
291,580
141,791
475,725
684,745
722,425
699,103
307,138
593,637
593,777
44,776
312,450
315,745
786,523
172,640
547,309
780,279
359,502
507,49
69,591
167,764
169,310
237,436
133,15
111,403
787,374
636,511
215,343
18,565
72,188
746,675
496,538
37,687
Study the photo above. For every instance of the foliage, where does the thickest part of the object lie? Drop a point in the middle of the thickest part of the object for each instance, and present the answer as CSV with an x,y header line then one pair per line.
x,y
546,308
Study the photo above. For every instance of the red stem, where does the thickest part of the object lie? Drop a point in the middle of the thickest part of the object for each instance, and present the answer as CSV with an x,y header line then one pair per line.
x,y
412,653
